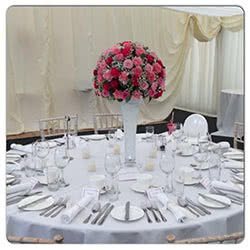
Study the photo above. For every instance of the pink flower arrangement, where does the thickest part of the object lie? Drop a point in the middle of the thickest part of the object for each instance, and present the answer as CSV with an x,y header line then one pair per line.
x,y
129,71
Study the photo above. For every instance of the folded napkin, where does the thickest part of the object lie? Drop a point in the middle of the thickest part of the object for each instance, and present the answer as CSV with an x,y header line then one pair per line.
x,y
70,213
177,211
24,148
12,166
233,154
227,186
25,187
233,164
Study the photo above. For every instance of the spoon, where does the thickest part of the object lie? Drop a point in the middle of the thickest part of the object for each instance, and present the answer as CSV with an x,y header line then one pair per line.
x,y
183,203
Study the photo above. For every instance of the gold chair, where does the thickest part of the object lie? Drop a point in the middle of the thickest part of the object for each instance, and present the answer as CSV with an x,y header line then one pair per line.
x,y
238,134
57,126
30,240
104,122
234,237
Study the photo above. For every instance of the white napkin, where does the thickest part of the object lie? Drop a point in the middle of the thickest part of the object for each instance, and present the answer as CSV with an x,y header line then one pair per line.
x,y
227,187
12,166
70,213
24,148
173,208
25,187
233,153
233,164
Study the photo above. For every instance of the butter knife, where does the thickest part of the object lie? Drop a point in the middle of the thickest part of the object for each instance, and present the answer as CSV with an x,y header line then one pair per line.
x,y
98,216
214,200
127,208
35,201
100,222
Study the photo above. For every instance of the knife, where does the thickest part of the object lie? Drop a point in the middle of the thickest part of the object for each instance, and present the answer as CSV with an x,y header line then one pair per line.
x,y
34,202
100,213
127,207
100,222
215,200
197,205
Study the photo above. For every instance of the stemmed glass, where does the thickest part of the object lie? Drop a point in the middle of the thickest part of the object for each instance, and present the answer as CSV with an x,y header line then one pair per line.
x,y
61,160
167,164
149,133
112,166
42,151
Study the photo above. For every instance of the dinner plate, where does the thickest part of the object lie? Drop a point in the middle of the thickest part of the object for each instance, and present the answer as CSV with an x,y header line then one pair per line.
x,y
137,187
213,204
135,213
191,182
36,206
205,166
95,137
190,153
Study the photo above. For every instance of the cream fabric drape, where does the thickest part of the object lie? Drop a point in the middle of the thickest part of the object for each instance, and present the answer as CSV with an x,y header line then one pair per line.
x,y
52,52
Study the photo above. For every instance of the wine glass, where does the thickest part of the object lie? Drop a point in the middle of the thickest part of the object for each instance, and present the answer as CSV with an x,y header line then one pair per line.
x,y
149,133
112,164
42,151
167,165
201,156
61,160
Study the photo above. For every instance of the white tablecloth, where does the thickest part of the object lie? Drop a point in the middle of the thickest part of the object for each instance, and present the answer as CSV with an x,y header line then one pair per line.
x,y
19,223
230,111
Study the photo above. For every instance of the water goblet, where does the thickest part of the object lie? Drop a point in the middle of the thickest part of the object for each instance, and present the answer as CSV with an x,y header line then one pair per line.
x,y
61,160
42,151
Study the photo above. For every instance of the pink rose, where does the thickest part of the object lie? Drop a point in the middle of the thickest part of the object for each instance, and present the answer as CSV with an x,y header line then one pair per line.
x,y
139,46
103,65
140,51
98,92
144,85
151,93
106,52
151,76
128,64
136,95
137,71
116,49
99,78
119,57
157,68
105,93
153,54
148,67
123,77
137,61
161,82
117,94
125,94
107,75
154,86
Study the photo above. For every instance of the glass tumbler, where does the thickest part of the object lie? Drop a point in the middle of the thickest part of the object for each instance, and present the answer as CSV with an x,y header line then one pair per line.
x,y
53,177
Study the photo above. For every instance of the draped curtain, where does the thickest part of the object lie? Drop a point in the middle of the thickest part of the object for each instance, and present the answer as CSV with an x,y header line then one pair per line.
x,y
51,53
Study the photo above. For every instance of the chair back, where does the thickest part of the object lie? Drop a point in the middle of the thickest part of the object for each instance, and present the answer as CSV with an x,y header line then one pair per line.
x,y
57,126
103,122
238,134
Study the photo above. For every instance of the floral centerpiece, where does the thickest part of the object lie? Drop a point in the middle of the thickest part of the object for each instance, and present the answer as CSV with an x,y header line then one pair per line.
x,y
129,72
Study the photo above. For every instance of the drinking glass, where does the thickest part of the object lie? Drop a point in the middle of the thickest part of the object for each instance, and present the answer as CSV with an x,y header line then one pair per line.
x,y
29,166
178,183
202,156
61,160
112,166
167,165
53,178
149,133
111,137
42,151
214,173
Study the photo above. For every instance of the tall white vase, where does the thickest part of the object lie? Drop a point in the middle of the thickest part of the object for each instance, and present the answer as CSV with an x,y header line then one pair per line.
x,y
129,112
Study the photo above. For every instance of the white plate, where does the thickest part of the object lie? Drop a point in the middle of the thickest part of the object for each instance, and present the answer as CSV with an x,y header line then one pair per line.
x,y
137,187
213,204
205,166
191,182
135,213
42,180
39,206
192,152
95,137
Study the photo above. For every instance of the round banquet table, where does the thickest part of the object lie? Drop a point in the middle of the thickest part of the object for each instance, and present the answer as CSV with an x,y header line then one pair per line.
x,y
30,224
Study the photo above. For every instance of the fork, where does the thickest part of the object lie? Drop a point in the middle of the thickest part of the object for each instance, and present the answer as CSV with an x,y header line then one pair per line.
x,y
156,208
58,202
61,207
149,206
